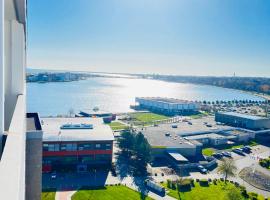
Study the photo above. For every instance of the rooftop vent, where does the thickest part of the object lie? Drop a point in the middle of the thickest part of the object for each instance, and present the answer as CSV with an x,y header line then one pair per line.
x,y
77,126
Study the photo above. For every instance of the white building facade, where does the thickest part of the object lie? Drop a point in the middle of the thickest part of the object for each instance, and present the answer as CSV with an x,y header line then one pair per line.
x,y
12,98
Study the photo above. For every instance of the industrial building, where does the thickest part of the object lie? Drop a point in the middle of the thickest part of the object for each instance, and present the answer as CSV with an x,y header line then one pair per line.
x,y
167,106
171,145
243,120
76,143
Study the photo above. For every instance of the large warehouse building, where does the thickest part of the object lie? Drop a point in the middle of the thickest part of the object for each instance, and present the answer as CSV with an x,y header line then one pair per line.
x,y
76,143
168,106
243,120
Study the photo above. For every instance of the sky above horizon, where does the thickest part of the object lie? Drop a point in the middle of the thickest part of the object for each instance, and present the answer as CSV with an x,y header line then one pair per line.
x,y
183,37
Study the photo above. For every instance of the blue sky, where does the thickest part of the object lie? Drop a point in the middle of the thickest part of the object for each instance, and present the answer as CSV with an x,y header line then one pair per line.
x,y
151,36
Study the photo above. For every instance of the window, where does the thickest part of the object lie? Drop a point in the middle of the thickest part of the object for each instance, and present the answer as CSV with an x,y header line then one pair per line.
x,y
98,146
56,147
71,147
51,147
45,147
108,146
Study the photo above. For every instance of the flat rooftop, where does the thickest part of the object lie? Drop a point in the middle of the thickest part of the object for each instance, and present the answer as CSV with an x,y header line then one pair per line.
x,y
165,100
160,139
198,126
52,130
202,136
251,117
33,122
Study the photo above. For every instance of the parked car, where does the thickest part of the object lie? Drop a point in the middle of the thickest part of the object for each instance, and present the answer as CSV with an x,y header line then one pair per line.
x,y
190,123
217,155
202,169
246,150
227,154
174,126
209,125
238,151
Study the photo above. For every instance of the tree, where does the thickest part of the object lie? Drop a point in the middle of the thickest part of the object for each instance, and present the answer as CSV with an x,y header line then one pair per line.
x,y
126,142
234,194
227,168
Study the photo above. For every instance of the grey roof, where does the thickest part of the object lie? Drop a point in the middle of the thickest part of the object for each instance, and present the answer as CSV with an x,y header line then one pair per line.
x,y
177,156
52,130
158,138
202,136
251,117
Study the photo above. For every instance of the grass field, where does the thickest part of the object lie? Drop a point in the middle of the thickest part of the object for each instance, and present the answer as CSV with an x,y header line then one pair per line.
x,y
208,151
211,192
48,196
108,193
251,143
199,115
147,117
117,126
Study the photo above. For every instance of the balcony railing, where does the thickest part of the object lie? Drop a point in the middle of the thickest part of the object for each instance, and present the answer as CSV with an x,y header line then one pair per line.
x,y
12,164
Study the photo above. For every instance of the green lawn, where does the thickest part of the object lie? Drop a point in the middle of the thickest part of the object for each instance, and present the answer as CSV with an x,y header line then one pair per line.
x,y
211,192
199,115
208,151
108,193
147,117
117,126
251,143
48,196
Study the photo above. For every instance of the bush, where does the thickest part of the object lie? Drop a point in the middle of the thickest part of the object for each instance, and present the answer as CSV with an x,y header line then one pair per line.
x,y
173,186
204,182
197,180
192,182
169,184
215,181
253,195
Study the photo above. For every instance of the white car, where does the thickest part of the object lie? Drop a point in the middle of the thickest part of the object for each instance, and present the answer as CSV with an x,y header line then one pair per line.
x,y
202,169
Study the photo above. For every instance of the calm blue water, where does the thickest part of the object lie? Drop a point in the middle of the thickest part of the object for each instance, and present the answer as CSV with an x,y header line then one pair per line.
x,y
116,94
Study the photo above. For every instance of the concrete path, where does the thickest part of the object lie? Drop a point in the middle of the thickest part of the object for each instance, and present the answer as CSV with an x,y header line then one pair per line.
x,y
64,195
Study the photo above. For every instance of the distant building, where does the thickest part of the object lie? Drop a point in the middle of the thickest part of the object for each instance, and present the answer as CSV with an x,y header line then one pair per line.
x,y
76,143
168,106
243,120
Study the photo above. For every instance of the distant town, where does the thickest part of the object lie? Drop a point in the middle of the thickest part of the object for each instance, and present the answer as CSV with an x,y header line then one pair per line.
x,y
250,84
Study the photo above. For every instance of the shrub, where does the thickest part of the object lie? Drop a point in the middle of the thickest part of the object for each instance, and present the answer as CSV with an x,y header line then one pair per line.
x,y
184,185
253,195
204,182
192,182
197,180
169,184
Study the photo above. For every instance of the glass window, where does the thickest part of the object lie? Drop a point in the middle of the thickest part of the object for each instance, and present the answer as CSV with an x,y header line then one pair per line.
x,y
69,147
98,146
108,146
56,147
51,147
45,147
63,147
74,147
